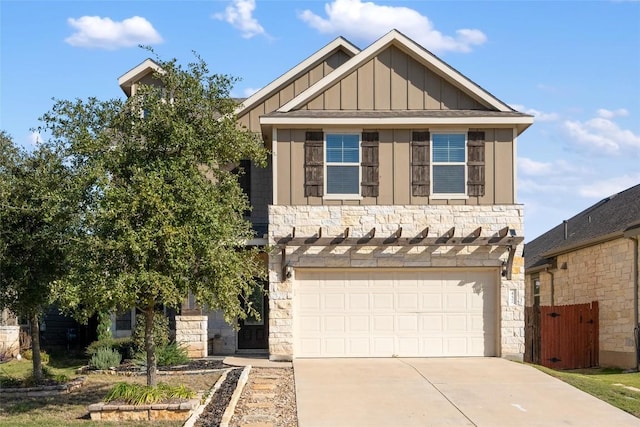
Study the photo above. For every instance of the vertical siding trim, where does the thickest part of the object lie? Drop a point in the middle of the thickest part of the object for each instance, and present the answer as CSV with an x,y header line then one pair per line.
x,y
514,165
274,165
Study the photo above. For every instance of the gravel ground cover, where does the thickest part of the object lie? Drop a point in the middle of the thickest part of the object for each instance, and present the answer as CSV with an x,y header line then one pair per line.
x,y
212,414
268,399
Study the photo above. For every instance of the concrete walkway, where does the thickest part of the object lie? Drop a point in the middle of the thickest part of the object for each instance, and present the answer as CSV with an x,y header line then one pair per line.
x,y
489,392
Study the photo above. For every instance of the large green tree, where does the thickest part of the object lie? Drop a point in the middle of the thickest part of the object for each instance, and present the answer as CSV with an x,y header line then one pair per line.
x,y
37,216
163,211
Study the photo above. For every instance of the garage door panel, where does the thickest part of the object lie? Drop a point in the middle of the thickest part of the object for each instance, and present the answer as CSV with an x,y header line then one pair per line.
x,y
408,301
382,301
358,302
333,302
432,301
366,313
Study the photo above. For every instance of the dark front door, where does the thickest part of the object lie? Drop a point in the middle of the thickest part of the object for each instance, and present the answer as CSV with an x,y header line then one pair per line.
x,y
254,332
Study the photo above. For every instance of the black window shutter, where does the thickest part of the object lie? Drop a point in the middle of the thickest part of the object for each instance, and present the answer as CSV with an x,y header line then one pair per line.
x,y
475,163
420,156
313,164
370,164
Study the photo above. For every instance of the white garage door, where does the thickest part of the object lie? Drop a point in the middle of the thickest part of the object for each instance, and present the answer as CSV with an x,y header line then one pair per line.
x,y
409,313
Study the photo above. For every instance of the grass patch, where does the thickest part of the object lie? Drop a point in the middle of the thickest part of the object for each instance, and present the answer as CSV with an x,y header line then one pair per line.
x,y
19,373
71,409
603,383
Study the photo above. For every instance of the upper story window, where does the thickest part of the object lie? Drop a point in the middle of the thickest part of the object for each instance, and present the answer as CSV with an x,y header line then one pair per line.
x,y
449,167
342,164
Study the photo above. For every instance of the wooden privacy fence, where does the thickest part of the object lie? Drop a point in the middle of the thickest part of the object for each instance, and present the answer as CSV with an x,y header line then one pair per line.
x,y
562,336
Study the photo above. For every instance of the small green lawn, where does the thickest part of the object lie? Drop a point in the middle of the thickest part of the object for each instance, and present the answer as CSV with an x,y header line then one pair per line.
x,y
66,410
604,383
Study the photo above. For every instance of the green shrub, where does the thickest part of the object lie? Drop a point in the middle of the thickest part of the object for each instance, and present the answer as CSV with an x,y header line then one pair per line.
x,y
169,355
172,354
28,354
104,325
122,345
105,358
160,331
136,394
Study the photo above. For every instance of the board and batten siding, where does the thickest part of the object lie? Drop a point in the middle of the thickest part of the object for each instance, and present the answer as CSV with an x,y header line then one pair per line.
x,y
395,184
251,118
393,80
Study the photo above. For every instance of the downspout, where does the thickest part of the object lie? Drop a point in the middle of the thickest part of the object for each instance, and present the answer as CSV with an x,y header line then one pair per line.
x,y
636,285
553,286
633,233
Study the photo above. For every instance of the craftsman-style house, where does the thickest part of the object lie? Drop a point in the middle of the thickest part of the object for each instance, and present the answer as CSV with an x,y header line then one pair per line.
x,y
390,206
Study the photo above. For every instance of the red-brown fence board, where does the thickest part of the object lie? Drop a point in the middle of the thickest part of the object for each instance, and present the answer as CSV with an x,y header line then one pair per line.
x,y
568,336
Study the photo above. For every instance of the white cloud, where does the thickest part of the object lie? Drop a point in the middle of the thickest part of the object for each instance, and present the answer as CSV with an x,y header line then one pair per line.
x,y
247,92
601,134
240,15
368,21
608,187
104,33
610,114
35,138
530,167
539,115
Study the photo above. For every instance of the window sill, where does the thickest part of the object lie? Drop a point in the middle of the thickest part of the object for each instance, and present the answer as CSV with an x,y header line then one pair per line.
x,y
342,197
449,197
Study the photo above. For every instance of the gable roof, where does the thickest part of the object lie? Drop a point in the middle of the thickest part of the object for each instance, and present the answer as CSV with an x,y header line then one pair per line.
x,y
128,79
339,43
394,37
608,219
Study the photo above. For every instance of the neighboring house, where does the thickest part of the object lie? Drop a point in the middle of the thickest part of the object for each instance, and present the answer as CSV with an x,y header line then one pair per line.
x,y
390,204
594,257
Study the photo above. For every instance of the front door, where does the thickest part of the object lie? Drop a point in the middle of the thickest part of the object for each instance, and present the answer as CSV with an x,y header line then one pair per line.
x,y
253,333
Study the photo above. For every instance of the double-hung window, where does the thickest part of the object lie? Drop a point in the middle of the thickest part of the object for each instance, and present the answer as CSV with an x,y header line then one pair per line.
x,y
449,169
342,163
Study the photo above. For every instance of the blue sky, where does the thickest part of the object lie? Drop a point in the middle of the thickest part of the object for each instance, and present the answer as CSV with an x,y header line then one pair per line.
x,y
574,65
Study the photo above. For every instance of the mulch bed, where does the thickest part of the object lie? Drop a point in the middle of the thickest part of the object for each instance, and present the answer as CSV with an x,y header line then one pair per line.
x,y
192,365
212,415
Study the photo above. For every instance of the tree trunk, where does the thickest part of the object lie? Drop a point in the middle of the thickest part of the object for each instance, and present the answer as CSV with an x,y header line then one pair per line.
x,y
35,348
150,346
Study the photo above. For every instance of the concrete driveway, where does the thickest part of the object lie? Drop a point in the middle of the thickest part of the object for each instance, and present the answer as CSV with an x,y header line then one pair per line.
x,y
488,392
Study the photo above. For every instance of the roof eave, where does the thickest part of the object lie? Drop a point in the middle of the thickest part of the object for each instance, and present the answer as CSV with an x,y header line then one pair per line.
x,y
127,80
521,123
376,47
339,42
584,244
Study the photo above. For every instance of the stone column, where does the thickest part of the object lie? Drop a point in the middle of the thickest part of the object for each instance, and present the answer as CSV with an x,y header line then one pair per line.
x,y
10,340
191,331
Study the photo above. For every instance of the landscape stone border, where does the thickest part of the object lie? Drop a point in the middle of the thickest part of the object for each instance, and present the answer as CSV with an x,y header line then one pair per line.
x,y
158,411
46,390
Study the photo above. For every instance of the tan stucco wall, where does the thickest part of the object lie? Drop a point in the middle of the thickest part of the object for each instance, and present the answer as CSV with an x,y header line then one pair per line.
x,y
386,219
395,170
602,273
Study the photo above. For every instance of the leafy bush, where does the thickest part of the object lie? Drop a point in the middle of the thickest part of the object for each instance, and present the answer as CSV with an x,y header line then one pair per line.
x,y
172,354
105,358
104,326
136,394
169,355
160,331
28,354
122,345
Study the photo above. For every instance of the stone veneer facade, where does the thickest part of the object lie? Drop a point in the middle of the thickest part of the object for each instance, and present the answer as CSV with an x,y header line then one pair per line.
x,y
386,219
191,331
603,273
